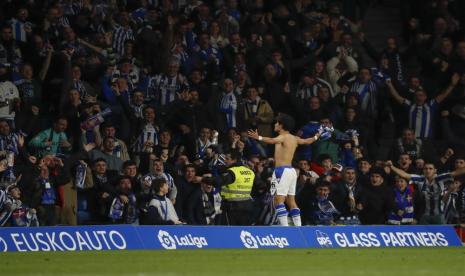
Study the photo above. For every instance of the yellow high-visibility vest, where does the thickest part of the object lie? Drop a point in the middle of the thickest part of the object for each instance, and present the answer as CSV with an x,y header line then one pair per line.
x,y
240,189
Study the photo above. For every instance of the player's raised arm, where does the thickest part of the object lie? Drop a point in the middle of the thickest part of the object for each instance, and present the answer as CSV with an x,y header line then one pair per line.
x,y
268,140
398,171
308,141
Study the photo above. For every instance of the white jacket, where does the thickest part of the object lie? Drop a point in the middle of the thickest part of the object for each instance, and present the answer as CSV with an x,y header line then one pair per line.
x,y
8,92
335,75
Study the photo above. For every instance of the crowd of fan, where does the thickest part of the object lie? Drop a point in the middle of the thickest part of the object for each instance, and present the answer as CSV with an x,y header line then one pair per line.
x,y
122,111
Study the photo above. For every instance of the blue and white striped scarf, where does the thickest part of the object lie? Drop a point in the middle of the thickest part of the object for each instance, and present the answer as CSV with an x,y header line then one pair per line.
x,y
252,107
80,177
326,212
117,209
149,133
3,198
229,106
79,86
4,212
201,147
48,194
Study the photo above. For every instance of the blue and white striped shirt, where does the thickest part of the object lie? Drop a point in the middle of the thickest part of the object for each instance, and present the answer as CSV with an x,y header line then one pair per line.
x,y
120,35
63,22
163,88
9,142
432,191
73,8
421,117
19,33
367,96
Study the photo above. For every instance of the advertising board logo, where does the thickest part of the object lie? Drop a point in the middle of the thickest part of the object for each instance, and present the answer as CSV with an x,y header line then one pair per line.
x,y
166,240
248,240
262,241
173,241
3,245
323,239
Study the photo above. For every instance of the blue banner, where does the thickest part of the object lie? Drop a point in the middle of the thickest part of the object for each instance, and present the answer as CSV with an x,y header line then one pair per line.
x,y
72,238
222,237
127,237
382,236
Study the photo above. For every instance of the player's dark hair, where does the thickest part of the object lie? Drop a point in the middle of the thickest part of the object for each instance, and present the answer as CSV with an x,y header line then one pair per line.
x,y
286,121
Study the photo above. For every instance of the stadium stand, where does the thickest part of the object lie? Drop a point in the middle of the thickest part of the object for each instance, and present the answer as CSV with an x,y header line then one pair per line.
x,y
128,112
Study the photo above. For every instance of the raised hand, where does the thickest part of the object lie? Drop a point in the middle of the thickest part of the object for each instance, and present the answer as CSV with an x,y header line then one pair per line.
x,y
58,162
20,141
35,110
89,147
455,79
3,165
449,153
253,134
388,82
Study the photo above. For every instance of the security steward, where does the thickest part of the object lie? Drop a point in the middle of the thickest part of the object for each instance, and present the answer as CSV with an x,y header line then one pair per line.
x,y
236,184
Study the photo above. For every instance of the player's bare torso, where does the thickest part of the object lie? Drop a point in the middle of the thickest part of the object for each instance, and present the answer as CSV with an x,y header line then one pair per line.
x,y
284,152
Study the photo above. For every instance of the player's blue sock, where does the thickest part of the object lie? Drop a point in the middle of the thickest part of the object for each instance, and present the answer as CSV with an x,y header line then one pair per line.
x,y
295,215
281,214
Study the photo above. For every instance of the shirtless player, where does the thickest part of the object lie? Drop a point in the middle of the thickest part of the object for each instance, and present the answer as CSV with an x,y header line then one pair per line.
x,y
284,177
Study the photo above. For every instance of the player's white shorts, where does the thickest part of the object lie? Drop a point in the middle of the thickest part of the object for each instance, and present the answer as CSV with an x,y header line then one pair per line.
x,y
283,181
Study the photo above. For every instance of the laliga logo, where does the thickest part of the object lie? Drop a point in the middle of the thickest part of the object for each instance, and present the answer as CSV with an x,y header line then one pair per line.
x,y
166,240
248,240
3,245
323,239
173,241
257,241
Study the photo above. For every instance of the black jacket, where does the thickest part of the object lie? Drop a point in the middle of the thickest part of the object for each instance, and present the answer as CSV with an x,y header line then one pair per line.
x,y
195,209
377,202
340,197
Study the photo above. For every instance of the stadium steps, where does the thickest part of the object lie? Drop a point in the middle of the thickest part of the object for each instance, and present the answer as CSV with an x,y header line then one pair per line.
x,y
382,20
